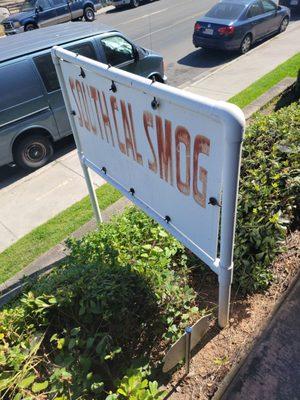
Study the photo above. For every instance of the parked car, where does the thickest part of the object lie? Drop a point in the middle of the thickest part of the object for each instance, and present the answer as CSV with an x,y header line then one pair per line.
x,y
238,24
32,110
39,13
294,5
132,3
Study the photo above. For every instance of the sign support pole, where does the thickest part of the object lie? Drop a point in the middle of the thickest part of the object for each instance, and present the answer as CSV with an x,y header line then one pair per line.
x,y
71,114
188,337
233,142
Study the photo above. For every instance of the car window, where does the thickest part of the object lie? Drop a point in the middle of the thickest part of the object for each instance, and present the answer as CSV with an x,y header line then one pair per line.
x,y
254,10
44,4
47,70
59,2
18,84
28,5
117,50
268,6
225,11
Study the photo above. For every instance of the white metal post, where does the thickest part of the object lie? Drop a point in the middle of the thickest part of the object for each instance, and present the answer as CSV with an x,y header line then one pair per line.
x,y
86,172
232,152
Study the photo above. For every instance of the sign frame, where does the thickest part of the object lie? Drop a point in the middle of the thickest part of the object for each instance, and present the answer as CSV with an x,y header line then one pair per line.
x,y
234,122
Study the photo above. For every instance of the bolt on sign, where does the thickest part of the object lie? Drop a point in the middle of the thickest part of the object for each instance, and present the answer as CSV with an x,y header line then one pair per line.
x,y
176,155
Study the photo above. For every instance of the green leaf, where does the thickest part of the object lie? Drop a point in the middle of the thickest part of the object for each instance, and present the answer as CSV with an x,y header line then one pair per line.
x,y
25,383
39,386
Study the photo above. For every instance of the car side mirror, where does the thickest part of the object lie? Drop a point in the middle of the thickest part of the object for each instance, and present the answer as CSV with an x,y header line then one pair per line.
x,y
39,9
136,55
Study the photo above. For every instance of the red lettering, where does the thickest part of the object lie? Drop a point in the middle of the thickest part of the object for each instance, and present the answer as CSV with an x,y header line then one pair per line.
x,y
164,143
182,136
94,95
86,105
148,123
80,117
127,131
201,146
105,118
139,157
82,102
114,107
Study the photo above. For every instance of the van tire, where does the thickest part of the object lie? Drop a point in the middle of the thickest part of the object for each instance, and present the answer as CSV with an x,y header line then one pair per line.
x,y
89,14
33,152
30,27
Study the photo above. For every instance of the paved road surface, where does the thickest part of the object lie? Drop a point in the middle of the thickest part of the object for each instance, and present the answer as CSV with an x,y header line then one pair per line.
x,y
171,23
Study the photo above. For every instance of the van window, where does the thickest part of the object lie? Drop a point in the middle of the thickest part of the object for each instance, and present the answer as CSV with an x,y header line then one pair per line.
x,y
59,2
46,68
18,84
43,4
117,50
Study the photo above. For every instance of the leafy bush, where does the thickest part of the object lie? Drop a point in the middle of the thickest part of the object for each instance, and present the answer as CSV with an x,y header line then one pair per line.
x,y
87,330
121,298
269,195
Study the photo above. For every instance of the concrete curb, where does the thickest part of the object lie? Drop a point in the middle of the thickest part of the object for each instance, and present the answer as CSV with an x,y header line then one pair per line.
x,y
54,256
266,97
196,81
104,10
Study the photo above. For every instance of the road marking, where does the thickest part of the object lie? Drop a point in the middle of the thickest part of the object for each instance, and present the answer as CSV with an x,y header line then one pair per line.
x,y
144,16
170,26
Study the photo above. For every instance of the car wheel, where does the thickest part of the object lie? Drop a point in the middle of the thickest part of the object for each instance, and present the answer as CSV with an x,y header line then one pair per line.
x,y
89,14
135,3
30,27
246,44
156,78
284,24
33,152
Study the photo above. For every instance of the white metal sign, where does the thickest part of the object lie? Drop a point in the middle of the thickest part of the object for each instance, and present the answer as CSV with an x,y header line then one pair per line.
x,y
174,154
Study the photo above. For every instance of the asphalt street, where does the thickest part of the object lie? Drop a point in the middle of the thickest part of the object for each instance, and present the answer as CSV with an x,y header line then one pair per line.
x,y
166,26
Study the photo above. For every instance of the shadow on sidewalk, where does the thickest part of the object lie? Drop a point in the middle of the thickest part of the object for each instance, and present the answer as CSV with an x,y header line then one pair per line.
x,y
10,175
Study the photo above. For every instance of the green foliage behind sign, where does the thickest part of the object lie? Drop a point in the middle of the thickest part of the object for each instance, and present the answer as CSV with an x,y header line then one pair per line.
x,y
89,328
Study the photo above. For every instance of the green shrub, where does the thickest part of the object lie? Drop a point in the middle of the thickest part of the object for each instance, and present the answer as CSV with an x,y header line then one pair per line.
x,y
87,330
268,195
121,298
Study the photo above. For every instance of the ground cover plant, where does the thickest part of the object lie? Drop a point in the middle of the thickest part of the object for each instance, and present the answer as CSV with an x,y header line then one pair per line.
x,y
121,298
98,326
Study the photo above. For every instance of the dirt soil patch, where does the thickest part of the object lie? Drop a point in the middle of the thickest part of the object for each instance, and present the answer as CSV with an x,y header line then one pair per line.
x,y
221,350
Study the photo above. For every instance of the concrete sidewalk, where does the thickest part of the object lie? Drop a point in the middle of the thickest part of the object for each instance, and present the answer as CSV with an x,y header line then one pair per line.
x,y
240,73
272,369
34,199
39,196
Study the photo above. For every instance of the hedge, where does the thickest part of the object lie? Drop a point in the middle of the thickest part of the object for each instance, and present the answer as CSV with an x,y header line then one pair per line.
x,y
91,328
